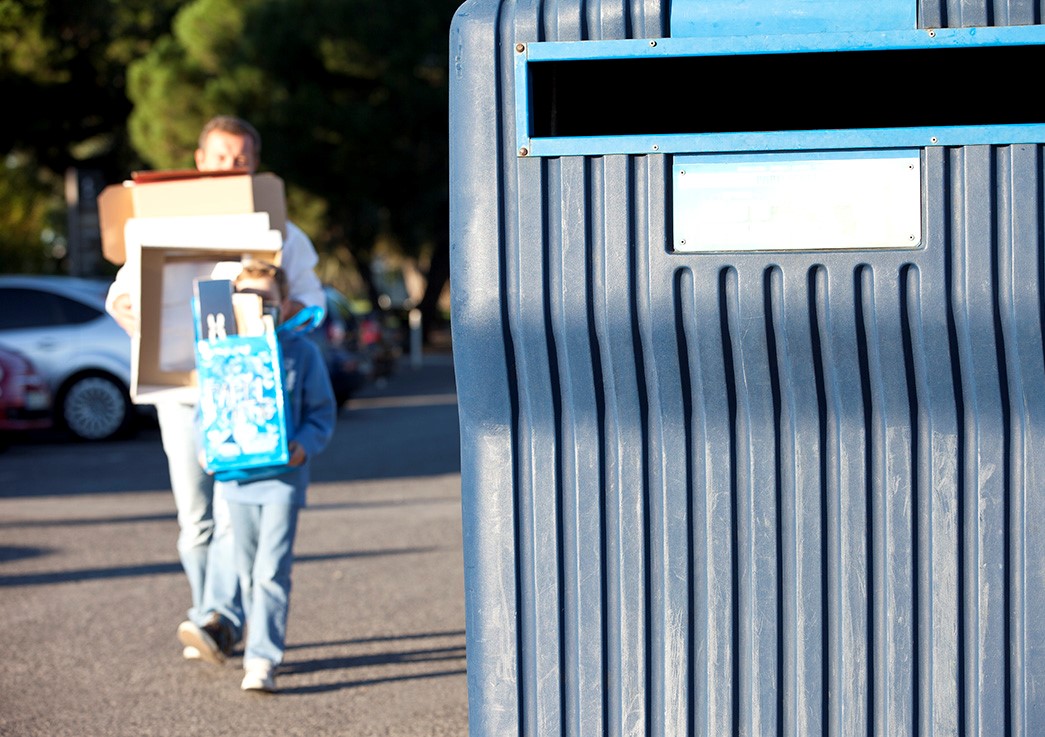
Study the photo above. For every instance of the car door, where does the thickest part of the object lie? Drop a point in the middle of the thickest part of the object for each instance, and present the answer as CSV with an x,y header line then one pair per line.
x,y
46,327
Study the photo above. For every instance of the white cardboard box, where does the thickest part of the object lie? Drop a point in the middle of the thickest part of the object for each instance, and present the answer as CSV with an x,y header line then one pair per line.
x,y
168,254
179,192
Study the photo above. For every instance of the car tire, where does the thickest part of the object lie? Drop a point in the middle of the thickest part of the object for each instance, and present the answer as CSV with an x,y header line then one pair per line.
x,y
94,406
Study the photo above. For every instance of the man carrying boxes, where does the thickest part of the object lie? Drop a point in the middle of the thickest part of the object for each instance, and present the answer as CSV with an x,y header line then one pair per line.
x,y
159,322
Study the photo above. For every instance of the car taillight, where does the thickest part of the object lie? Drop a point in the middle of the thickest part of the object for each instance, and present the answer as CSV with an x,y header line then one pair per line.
x,y
33,388
370,332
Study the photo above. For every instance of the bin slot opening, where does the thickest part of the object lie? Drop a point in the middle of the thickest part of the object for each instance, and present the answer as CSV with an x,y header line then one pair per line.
x,y
893,88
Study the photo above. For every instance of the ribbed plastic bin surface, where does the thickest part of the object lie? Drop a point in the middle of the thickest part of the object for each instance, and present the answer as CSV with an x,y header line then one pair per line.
x,y
793,493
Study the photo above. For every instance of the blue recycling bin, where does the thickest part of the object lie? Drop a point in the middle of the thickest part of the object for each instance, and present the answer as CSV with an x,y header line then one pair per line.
x,y
747,319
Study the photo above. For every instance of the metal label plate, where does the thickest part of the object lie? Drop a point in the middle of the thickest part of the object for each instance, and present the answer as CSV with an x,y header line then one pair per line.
x,y
810,201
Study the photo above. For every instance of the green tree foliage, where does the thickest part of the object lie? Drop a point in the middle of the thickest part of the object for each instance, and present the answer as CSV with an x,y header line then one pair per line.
x,y
62,71
28,210
350,97
65,61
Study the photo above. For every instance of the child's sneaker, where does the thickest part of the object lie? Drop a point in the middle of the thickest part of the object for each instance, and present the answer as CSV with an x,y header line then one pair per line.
x,y
260,676
213,641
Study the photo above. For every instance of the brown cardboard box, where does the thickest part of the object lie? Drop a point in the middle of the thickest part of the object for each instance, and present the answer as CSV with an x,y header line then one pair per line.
x,y
186,192
168,254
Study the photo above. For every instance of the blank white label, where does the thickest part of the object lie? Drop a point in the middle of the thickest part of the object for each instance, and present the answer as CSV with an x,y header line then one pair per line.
x,y
797,202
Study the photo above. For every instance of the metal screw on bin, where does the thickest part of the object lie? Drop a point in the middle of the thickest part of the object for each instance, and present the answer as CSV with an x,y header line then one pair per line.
x,y
520,47
656,147
652,43
932,33
933,139
524,151
682,242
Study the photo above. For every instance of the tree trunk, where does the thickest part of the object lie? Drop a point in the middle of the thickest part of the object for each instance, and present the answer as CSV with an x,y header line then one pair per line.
x,y
438,276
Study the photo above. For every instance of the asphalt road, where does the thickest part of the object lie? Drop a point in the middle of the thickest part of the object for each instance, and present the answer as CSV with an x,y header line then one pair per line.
x,y
91,590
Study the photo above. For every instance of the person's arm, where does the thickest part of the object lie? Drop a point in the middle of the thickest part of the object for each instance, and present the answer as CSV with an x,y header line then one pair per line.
x,y
318,406
299,263
118,300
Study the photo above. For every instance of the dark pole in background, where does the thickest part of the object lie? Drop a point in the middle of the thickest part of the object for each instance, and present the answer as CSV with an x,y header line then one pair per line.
x,y
85,246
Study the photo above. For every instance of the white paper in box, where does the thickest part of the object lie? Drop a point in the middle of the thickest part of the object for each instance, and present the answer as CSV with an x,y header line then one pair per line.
x,y
168,254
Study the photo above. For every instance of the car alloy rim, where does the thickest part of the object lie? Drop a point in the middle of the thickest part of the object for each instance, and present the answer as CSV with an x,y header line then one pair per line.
x,y
94,408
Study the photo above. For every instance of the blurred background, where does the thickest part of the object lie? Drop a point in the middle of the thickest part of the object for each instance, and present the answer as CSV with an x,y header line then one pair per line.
x,y
350,97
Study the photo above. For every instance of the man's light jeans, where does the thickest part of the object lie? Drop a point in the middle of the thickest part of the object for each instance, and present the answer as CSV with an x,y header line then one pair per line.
x,y
205,542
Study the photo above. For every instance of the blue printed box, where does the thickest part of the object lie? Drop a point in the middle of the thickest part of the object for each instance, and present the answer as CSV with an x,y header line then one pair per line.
x,y
242,417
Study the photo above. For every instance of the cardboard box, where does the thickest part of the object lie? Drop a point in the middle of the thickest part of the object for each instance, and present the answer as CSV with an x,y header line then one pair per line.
x,y
179,192
169,254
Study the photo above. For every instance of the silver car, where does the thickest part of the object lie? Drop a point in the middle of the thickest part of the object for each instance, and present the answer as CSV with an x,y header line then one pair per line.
x,y
60,323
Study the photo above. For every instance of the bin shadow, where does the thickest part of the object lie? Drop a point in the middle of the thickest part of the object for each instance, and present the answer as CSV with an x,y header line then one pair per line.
x,y
79,575
441,655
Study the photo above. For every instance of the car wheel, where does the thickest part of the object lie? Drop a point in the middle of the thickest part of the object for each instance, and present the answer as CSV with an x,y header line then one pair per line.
x,y
95,407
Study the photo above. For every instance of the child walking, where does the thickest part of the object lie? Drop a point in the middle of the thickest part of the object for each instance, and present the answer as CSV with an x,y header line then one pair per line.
x,y
264,512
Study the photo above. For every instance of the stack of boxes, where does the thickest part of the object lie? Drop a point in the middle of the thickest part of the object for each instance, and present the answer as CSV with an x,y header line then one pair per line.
x,y
179,231
172,228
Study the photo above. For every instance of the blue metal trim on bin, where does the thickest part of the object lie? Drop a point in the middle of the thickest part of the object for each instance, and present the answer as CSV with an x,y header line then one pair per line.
x,y
770,140
780,44
863,138
730,16
523,118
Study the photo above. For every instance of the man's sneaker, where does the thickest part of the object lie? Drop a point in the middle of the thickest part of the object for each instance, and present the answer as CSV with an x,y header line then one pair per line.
x,y
213,641
191,653
260,676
